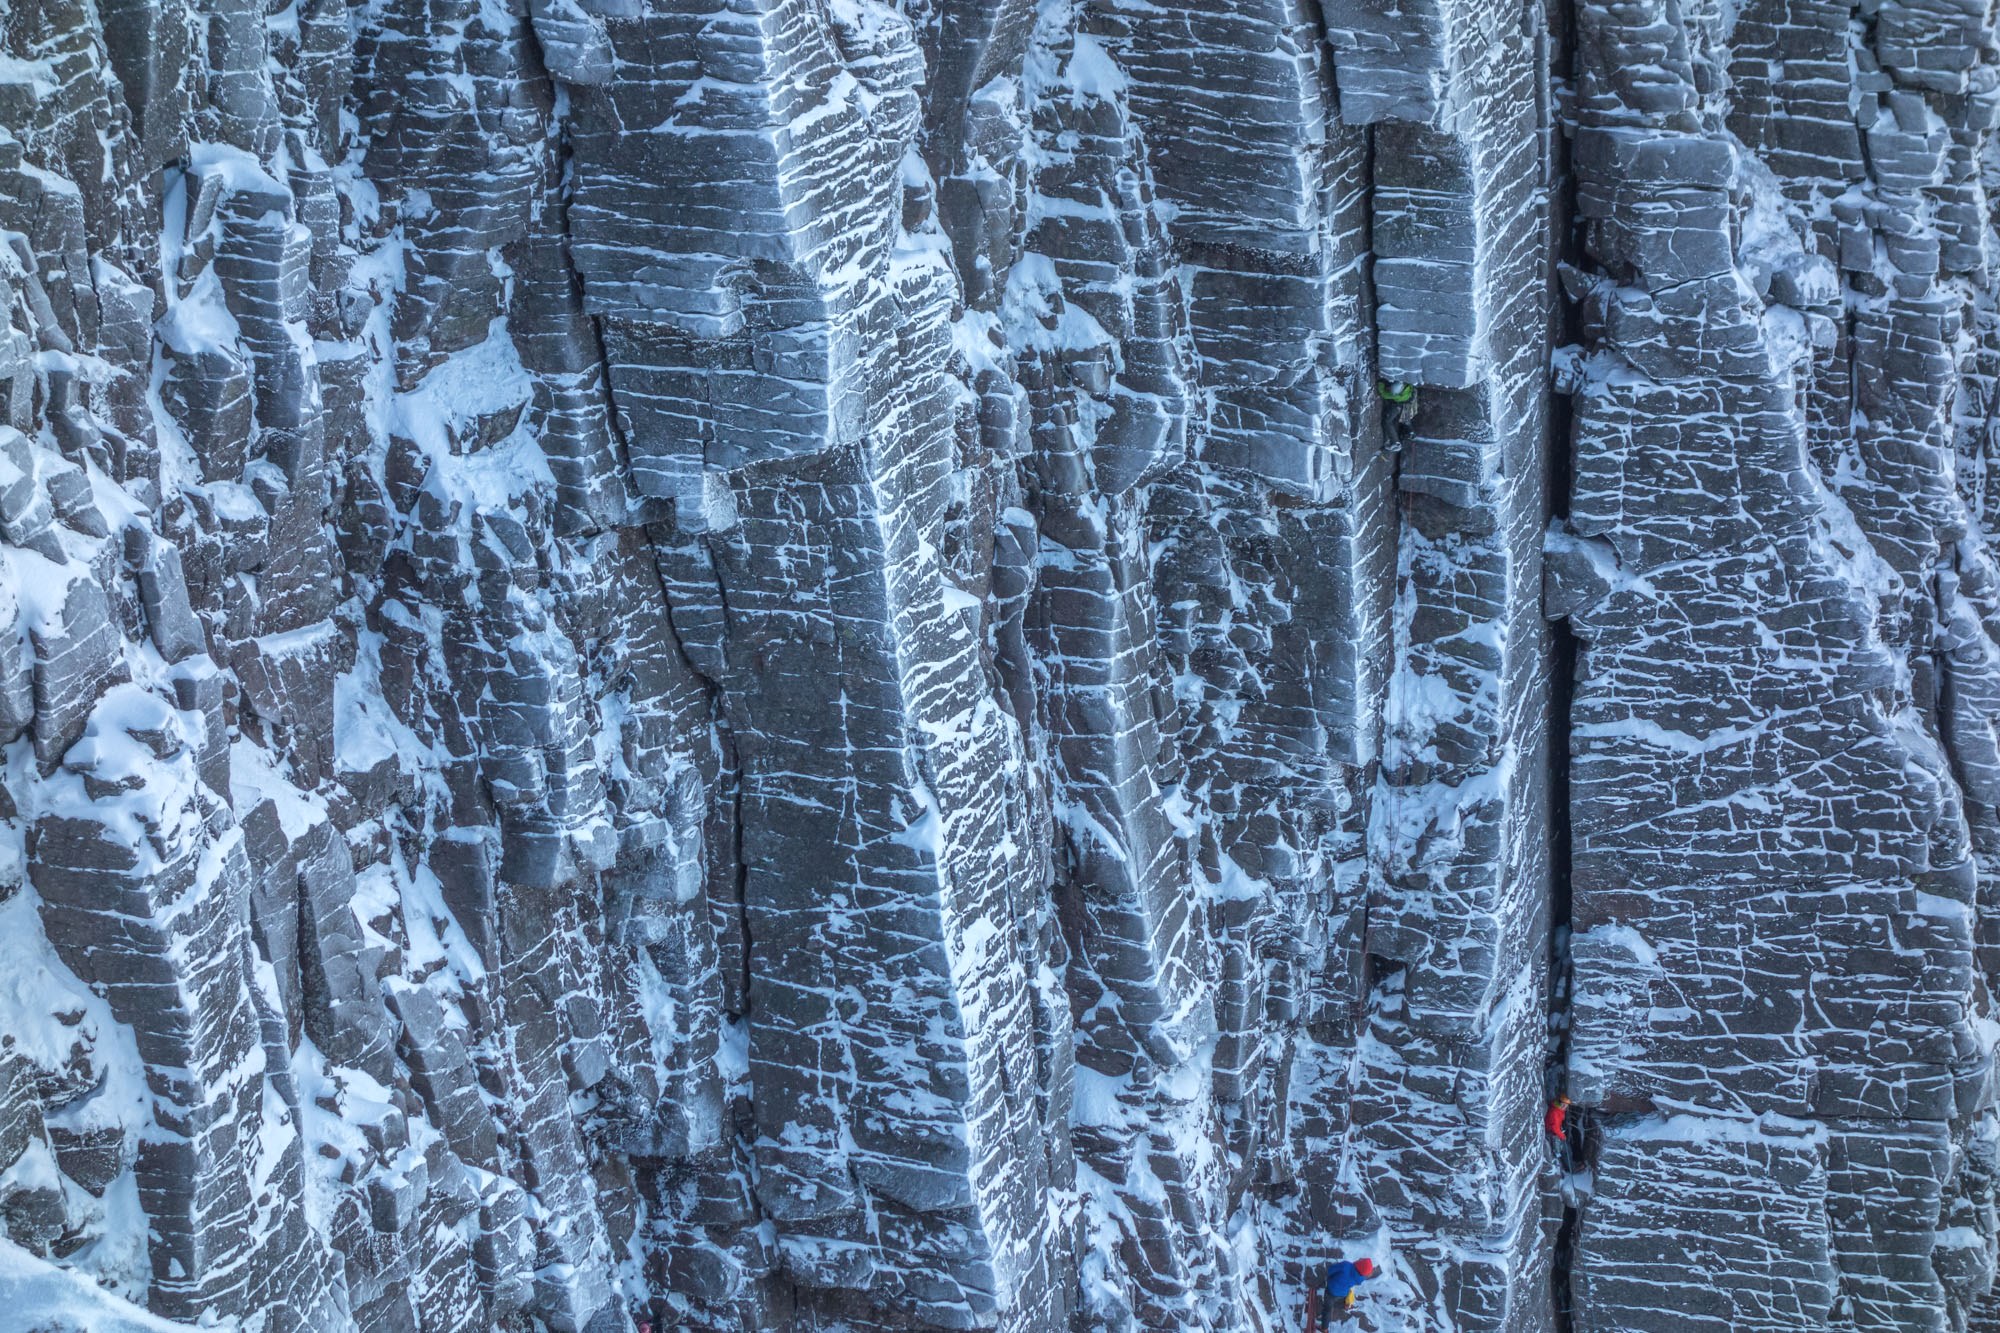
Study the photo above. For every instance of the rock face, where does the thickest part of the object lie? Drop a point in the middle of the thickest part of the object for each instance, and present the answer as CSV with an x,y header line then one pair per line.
x,y
799,664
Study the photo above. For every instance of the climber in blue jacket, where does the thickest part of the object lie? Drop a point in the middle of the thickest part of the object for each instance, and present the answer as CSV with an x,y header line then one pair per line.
x,y
1341,1281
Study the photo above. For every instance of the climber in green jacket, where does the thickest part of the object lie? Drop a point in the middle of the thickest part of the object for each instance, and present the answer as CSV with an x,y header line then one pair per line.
x,y
1399,411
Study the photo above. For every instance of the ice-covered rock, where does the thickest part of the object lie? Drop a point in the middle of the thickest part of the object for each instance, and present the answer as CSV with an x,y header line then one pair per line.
x,y
997,664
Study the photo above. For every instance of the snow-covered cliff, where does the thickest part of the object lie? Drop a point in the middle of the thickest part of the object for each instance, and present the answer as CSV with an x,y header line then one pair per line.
x,y
782,664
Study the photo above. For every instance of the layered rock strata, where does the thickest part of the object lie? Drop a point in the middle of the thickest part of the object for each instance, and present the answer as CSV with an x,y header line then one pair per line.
x,y
997,664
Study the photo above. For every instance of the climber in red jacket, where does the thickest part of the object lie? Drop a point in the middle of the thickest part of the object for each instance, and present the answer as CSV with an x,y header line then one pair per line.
x,y
1556,1122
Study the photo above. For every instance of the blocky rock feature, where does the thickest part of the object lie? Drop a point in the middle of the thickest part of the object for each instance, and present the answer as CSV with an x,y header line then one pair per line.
x,y
1776,804
1017,665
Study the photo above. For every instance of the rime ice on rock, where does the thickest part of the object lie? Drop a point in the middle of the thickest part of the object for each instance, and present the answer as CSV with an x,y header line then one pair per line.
x,y
773,663
1777,803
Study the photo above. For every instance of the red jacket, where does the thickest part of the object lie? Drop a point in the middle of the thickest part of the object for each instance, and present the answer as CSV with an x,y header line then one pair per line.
x,y
1554,1120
